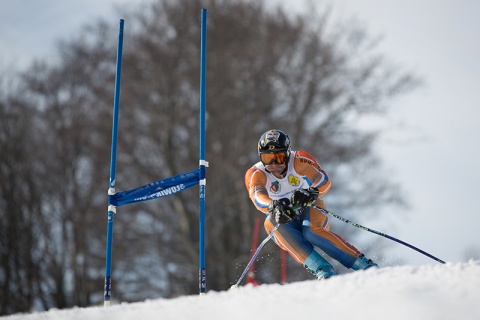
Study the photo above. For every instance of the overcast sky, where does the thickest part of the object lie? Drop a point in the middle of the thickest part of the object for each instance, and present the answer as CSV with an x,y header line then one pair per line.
x,y
430,144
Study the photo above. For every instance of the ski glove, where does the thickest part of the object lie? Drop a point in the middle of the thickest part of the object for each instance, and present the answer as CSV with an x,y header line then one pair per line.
x,y
281,210
304,197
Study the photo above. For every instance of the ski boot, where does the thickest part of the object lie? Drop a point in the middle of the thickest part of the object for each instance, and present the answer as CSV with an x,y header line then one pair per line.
x,y
320,267
321,274
362,263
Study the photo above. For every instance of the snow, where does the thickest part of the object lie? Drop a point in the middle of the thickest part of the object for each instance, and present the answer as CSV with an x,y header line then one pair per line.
x,y
441,291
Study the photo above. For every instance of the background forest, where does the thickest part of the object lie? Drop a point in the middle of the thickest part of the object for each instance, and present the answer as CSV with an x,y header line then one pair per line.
x,y
304,74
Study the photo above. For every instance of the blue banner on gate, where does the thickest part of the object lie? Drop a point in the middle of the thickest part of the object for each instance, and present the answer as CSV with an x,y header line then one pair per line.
x,y
157,189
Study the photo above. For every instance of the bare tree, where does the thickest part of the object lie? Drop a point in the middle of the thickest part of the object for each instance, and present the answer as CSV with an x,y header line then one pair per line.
x,y
20,203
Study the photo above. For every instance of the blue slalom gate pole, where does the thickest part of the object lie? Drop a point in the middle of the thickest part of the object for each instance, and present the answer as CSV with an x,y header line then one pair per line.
x,y
113,160
202,183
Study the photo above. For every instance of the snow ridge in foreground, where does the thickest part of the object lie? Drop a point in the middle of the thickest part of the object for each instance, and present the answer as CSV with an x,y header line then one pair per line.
x,y
440,291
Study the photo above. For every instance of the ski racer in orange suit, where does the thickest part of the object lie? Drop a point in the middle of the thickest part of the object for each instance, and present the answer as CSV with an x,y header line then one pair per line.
x,y
283,185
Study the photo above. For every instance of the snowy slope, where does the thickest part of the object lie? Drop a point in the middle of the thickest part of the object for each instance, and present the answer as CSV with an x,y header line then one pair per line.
x,y
450,291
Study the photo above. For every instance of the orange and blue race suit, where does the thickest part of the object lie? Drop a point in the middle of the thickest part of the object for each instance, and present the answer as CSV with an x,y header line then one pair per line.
x,y
312,227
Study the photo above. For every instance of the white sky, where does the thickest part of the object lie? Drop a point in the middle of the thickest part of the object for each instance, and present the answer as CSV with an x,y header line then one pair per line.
x,y
439,292
430,144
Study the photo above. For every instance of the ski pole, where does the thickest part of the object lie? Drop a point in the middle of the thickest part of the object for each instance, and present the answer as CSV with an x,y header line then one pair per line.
x,y
376,232
270,235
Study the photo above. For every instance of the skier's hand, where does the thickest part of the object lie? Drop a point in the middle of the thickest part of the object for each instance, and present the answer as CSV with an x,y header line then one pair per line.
x,y
304,197
281,210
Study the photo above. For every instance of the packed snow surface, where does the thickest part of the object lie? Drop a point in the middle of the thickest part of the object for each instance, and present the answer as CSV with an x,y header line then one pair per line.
x,y
438,291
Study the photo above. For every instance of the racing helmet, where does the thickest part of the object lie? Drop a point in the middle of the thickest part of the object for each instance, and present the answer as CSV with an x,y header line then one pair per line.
x,y
274,146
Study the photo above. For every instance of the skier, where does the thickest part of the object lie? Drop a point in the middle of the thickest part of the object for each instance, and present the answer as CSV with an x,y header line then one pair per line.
x,y
283,185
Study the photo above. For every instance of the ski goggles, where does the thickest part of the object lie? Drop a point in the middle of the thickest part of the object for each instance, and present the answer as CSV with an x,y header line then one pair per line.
x,y
277,157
